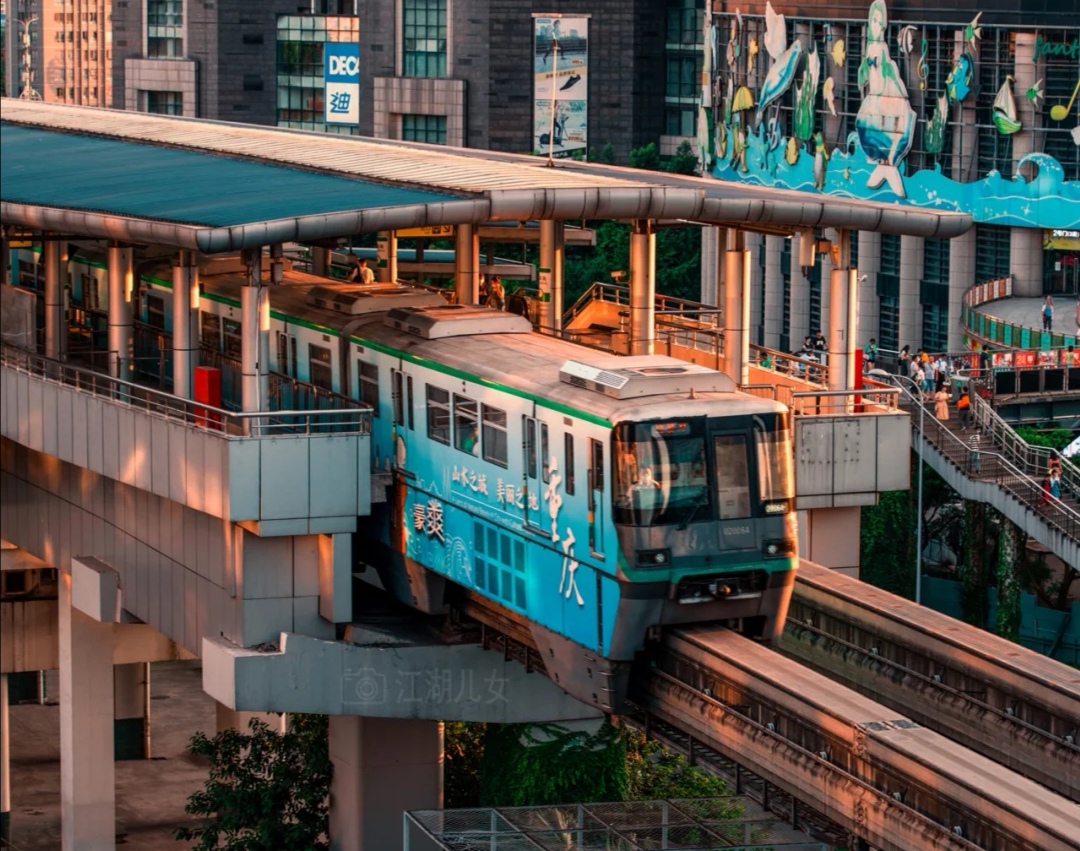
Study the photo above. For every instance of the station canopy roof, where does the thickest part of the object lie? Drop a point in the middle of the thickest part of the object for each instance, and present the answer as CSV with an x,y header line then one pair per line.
x,y
214,187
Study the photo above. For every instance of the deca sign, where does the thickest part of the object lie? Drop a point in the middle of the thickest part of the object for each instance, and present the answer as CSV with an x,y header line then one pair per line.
x,y
342,87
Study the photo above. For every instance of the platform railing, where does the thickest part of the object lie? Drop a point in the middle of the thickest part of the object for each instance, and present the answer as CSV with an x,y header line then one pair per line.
x,y
231,424
871,400
993,467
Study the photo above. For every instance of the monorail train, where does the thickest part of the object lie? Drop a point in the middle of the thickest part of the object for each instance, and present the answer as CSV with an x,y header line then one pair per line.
x,y
599,498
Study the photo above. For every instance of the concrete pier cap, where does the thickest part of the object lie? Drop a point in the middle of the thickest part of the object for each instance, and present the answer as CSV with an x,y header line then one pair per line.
x,y
380,675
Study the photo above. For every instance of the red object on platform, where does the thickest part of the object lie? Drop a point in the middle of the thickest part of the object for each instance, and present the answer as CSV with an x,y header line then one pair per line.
x,y
208,391
858,379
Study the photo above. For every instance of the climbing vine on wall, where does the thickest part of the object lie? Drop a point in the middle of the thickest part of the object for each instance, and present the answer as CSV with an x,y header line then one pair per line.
x,y
1008,582
977,550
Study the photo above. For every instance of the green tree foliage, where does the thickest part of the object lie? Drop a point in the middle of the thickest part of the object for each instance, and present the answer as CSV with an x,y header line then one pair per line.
x,y
267,791
1010,551
647,157
685,160
978,549
654,771
463,751
1049,436
887,543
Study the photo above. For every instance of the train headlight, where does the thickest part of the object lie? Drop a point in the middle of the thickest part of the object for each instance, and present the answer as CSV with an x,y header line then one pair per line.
x,y
779,548
653,558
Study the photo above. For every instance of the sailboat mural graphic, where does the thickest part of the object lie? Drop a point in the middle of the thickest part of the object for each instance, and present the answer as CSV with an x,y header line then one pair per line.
x,y
1004,110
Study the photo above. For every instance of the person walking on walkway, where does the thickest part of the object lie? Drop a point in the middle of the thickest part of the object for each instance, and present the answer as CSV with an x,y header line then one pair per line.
x,y
870,355
963,409
973,453
1048,313
1055,484
941,402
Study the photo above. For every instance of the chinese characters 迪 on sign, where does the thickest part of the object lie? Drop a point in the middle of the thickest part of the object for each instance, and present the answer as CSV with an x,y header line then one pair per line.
x,y
342,72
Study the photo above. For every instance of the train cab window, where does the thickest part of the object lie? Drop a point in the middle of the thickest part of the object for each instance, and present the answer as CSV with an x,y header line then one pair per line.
x,y
369,384
155,312
466,430
732,476
568,451
495,443
661,473
438,414
776,481
545,453
233,342
320,367
211,331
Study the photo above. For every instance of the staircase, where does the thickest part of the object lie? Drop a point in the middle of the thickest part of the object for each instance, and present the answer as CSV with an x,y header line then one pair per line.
x,y
1008,474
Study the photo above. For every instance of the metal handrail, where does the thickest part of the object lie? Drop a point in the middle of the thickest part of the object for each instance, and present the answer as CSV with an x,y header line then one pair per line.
x,y
997,469
850,401
229,424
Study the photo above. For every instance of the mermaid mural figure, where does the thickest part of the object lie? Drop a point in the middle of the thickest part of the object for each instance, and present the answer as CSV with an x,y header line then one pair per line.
x,y
885,123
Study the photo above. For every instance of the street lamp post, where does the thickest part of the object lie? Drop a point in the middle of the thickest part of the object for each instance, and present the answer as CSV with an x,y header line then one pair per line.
x,y
917,396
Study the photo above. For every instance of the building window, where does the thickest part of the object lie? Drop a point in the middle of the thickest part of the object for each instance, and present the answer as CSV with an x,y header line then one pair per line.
x,y
424,37
164,29
300,81
683,76
684,24
680,122
992,252
424,128
161,103
934,295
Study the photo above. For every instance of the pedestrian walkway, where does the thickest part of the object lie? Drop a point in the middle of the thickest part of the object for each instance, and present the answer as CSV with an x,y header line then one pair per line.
x,y
1027,312
1001,476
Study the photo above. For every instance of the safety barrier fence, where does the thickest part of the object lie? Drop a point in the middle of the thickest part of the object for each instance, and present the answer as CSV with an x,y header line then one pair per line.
x,y
987,465
1009,335
356,420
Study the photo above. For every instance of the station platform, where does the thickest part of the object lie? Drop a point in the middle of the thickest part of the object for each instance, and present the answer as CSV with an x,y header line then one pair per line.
x,y
1027,312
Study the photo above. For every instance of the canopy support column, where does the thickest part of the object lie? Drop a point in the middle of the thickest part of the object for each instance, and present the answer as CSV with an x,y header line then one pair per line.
x,y
642,287
185,330
121,322
737,310
467,264
254,335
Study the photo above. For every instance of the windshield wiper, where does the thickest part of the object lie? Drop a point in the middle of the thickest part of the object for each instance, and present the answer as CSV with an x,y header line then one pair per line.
x,y
703,499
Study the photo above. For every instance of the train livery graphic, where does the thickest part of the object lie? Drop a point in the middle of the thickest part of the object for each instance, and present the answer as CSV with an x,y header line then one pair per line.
x,y
590,498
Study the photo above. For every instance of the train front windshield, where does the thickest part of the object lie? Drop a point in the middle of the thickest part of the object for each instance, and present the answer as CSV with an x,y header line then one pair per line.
x,y
683,471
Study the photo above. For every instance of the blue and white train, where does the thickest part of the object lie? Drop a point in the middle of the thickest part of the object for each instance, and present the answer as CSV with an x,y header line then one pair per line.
x,y
596,498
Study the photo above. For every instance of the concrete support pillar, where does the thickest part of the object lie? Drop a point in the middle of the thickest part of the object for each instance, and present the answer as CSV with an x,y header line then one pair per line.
x,y
713,244
843,310
737,312
320,261
467,264
1026,262
774,292
557,276
5,764
869,304
800,295
185,309
961,278
254,336
386,242
382,767
234,719
912,256
546,273
131,711
55,321
830,537
121,318
642,287
87,770
753,243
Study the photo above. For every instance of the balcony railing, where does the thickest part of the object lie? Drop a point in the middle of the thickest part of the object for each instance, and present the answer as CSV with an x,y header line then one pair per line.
x,y
230,424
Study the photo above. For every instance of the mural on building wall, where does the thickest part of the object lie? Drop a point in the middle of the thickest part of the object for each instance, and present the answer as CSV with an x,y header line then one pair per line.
x,y
560,85
768,119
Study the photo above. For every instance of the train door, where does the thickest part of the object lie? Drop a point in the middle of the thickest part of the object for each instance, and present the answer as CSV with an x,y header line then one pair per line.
x,y
531,500
287,353
401,389
596,497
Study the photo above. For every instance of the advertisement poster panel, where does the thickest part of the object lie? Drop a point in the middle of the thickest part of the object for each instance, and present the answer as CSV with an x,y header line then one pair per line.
x,y
342,73
560,84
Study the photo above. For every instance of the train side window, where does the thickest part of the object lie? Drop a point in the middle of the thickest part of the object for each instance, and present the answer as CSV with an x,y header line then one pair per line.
x,y
495,443
596,464
155,312
211,331
528,426
438,414
369,384
568,451
292,356
409,397
320,369
233,342
283,352
397,379
545,453
466,430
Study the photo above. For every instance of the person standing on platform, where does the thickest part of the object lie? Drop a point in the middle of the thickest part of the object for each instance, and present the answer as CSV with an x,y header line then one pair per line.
x,y
1055,484
496,293
870,355
1048,313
